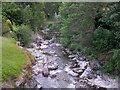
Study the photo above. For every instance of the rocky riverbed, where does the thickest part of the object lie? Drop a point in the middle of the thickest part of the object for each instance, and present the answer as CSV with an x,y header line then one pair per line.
x,y
54,69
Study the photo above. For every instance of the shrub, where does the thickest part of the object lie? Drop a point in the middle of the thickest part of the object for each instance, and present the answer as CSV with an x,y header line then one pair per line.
x,y
113,63
103,40
24,34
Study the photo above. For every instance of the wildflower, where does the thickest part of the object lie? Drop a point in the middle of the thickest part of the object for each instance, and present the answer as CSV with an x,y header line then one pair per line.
x,y
8,22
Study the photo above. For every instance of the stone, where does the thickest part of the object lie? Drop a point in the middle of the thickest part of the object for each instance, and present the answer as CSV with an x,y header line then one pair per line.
x,y
39,86
36,70
33,45
53,66
83,64
37,56
45,42
58,45
45,72
53,45
71,56
56,55
77,70
70,72
81,59
74,59
53,75
86,73
38,48
68,51
80,86
52,40
17,83
43,46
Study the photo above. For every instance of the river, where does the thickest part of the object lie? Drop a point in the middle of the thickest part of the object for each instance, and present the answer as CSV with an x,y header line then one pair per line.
x,y
56,67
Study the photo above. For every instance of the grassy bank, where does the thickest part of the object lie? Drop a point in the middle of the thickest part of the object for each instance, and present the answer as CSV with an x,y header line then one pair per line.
x,y
13,58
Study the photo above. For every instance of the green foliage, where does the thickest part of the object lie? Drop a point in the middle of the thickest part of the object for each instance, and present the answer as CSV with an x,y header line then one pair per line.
x,y
103,40
12,58
12,11
112,17
25,17
24,34
113,63
51,8
25,13
74,21
38,16
93,28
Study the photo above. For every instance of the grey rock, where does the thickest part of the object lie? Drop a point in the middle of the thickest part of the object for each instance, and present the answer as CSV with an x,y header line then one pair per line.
x,y
81,59
43,46
83,64
70,72
45,72
48,53
86,73
74,59
38,48
39,86
71,56
77,70
53,66
58,45
17,83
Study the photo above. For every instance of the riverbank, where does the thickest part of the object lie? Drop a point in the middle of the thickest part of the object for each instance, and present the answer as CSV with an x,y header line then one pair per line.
x,y
57,67
16,63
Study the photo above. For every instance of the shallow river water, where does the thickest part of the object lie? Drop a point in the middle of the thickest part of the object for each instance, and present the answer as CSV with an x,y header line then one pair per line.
x,y
54,69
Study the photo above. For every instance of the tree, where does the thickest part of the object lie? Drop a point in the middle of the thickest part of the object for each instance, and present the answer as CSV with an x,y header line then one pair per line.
x,y
51,8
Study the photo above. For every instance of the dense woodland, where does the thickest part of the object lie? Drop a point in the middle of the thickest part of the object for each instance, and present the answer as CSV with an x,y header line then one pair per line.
x,y
91,28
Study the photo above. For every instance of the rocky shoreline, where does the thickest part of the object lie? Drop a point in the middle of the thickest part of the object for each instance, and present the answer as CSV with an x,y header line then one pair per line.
x,y
52,71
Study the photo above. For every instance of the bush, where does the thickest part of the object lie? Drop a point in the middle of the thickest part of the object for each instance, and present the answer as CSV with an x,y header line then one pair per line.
x,y
113,63
75,19
92,28
103,40
24,34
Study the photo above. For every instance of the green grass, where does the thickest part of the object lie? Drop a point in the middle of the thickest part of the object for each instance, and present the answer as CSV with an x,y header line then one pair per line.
x,y
13,58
